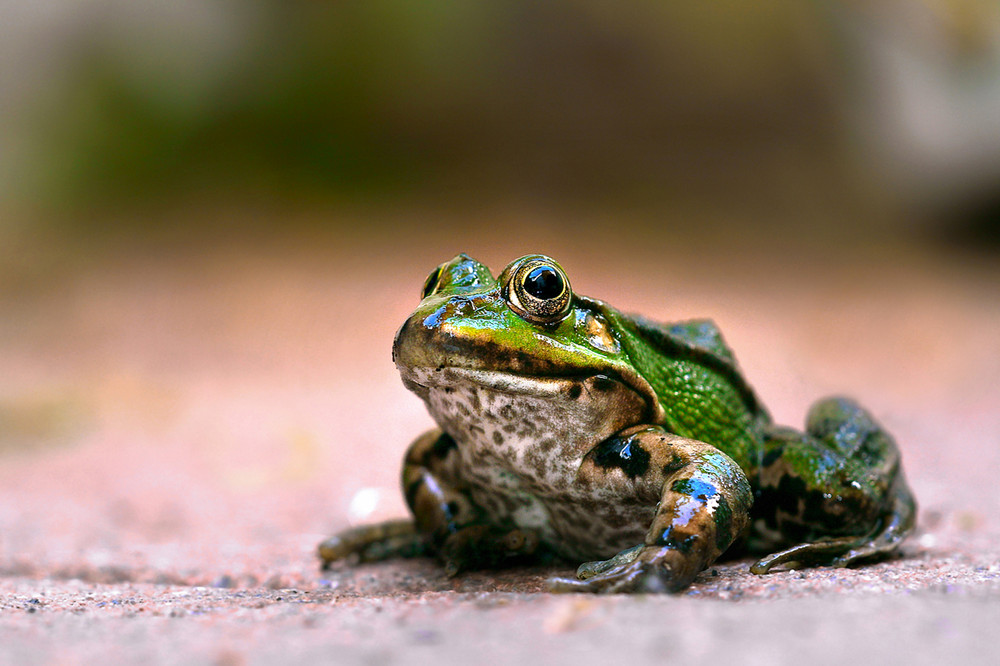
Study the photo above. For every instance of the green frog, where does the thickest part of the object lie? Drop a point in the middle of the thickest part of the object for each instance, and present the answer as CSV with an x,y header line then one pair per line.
x,y
567,429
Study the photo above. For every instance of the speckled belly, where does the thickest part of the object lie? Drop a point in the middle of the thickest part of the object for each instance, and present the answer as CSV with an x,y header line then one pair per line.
x,y
520,445
577,527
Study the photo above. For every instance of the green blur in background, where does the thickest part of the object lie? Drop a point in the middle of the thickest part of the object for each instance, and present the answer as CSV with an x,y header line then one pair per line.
x,y
783,107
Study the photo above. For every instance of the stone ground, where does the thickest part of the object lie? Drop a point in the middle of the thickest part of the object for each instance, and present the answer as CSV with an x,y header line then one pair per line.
x,y
182,422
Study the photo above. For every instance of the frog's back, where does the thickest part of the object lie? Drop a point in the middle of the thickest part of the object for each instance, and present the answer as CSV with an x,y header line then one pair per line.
x,y
700,386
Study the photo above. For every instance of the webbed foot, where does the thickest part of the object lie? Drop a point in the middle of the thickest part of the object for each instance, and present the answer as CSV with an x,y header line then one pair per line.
x,y
653,569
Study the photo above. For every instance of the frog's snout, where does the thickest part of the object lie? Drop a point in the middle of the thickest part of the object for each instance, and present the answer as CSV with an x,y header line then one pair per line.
x,y
415,344
396,340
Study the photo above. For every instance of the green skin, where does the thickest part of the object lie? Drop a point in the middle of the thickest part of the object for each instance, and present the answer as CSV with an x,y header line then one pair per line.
x,y
634,443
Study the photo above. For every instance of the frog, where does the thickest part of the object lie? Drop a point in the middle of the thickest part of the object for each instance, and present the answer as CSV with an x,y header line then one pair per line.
x,y
569,431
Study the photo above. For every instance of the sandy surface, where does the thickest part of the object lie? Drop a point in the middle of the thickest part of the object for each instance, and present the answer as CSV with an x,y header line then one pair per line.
x,y
181,424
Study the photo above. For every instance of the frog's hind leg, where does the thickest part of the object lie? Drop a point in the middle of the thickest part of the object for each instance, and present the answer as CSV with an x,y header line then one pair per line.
x,y
446,521
371,543
838,490
850,550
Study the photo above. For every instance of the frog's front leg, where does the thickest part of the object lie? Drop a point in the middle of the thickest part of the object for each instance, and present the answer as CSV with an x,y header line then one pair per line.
x,y
704,505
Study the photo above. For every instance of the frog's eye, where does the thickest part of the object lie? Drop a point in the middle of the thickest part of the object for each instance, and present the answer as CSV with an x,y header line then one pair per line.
x,y
431,283
538,290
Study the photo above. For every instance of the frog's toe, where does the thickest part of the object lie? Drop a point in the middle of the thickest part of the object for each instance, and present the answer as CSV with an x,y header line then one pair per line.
x,y
860,555
608,583
371,543
843,552
806,554
567,585
649,569
882,546
898,525
591,569
484,546
636,577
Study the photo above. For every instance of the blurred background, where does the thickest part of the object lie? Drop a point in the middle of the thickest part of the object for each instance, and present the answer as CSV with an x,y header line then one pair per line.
x,y
213,216
775,104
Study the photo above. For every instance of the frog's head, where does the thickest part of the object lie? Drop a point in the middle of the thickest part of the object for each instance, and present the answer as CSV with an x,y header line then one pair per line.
x,y
524,331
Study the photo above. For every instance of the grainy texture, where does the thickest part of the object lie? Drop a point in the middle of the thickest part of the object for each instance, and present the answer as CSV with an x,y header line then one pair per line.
x,y
180,428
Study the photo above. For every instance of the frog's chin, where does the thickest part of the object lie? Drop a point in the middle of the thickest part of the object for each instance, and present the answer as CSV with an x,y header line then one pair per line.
x,y
487,409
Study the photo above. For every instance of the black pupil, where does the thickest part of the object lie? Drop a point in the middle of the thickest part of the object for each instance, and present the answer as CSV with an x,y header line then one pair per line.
x,y
544,283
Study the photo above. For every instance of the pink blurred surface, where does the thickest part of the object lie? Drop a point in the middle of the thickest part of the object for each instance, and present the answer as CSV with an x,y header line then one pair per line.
x,y
187,422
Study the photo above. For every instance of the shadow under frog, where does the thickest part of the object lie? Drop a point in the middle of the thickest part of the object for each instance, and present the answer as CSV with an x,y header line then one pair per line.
x,y
569,429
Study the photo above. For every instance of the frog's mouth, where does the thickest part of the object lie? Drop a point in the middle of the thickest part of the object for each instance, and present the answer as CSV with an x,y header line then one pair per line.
x,y
599,387
422,380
